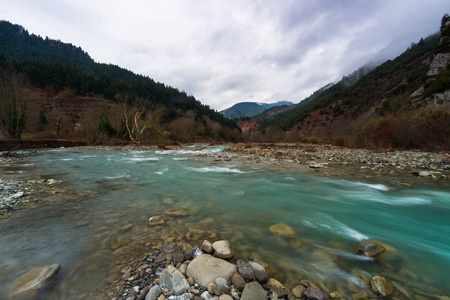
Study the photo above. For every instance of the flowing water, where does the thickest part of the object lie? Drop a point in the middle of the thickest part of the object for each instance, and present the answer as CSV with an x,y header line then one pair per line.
x,y
330,217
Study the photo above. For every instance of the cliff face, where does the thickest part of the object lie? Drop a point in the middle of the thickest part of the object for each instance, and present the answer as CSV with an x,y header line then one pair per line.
x,y
438,74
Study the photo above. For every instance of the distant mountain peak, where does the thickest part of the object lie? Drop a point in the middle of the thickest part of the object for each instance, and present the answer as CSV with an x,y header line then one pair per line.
x,y
249,109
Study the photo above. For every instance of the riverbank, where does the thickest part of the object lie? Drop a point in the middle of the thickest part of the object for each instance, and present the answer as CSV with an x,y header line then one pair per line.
x,y
387,166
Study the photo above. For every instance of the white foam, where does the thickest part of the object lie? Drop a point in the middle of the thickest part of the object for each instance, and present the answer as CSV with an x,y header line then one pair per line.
x,y
216,170
118,176
380,187
164,170
392,200
328,223
144,158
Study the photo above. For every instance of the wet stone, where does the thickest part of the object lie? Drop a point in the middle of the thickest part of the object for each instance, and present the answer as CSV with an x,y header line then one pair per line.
x,y
246,270
312,293
370,248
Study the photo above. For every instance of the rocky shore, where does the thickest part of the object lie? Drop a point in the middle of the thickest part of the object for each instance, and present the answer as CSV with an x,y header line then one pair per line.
x,y
333,160
309,154
17,193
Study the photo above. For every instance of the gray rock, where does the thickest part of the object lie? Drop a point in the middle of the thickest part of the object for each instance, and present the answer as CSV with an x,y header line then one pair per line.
x,y
206,295
174,280
205,269
298,291
28,285
222,249
207,247
280,291
246,270
370,248
425,174
253,291
153,293
225,297
221,282
312,293
259,271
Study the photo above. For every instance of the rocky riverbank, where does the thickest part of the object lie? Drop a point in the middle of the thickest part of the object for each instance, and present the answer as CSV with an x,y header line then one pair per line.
x,y
315,155
356,163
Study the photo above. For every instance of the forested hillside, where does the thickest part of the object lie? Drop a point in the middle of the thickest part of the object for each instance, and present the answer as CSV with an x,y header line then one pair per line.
x,y
44,76
414,86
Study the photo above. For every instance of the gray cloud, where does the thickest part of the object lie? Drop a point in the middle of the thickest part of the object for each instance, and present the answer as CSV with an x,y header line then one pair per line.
x,y
224,52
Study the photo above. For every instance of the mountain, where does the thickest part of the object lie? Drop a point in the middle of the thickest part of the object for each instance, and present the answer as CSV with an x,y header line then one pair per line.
x,y
65,89
396,104
248,109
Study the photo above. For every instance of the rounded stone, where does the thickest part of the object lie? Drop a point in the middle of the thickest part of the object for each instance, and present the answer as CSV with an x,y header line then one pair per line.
x,y
253,291
155,220
282,230
222,249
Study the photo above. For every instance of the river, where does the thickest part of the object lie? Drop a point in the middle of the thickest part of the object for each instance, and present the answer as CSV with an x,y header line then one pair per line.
x,y
329,215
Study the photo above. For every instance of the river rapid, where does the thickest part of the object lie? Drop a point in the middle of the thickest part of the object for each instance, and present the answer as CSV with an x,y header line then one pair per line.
x,y
111,190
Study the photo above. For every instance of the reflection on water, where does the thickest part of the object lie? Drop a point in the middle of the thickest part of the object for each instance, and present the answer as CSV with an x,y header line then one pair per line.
x,y
118,191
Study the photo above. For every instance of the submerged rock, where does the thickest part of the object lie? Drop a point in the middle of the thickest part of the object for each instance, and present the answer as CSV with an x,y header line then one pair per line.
x,y
155,220
381,286
282,230
28,285
370,248
177,213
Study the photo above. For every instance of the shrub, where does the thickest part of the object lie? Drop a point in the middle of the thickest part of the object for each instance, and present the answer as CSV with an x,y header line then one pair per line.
x,y
341,141
428,128
312,140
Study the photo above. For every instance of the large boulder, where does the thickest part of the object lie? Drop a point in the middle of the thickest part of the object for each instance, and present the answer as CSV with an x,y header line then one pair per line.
x,y
253,291
205,269
172,278
381,286
282,230
370,248
29,284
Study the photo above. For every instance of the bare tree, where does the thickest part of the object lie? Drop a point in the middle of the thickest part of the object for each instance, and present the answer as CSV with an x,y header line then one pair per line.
x,y
136,120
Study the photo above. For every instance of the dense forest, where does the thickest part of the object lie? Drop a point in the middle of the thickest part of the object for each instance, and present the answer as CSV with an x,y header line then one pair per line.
x,y
50,65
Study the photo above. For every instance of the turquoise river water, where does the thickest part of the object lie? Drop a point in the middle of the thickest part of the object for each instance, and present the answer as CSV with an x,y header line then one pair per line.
x,y
329,215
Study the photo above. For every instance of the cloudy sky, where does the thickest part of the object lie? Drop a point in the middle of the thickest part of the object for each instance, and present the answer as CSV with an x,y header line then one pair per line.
x,y
229,51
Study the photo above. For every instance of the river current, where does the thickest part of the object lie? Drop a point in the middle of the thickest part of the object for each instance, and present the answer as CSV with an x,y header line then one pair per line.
x,y
329,215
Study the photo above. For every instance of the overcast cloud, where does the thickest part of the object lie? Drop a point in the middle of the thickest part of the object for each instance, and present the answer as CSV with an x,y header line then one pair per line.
x,y
224,52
